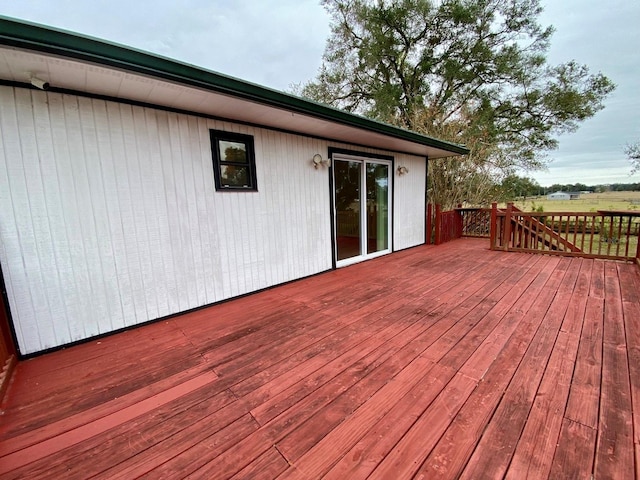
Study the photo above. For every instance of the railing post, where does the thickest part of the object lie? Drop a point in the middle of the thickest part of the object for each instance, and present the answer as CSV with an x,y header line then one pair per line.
x,y
493,226
438,223
507,227
459,222
638,250
429,222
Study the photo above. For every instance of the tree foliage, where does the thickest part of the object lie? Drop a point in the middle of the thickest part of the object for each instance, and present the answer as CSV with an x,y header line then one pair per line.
x,y
633,152
468,71
515,187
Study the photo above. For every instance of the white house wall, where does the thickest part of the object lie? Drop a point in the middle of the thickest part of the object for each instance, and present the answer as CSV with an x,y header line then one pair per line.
x,y
109,215
409,202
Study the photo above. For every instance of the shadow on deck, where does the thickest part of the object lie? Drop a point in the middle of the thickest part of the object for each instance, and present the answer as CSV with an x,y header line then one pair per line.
x,y
447,361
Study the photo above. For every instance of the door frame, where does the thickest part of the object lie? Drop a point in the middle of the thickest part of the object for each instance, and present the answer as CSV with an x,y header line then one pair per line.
x,y
364,157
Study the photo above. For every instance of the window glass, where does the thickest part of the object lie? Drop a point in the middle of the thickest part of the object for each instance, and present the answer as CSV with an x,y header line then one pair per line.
x,y
235,176
234,165
232,151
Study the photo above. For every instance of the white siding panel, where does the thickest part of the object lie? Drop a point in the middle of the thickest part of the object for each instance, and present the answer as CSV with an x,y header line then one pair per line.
x,y
409,202
12,228
109,215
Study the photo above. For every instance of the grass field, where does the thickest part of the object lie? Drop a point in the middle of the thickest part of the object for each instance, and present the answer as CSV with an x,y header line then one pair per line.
x,y
588,202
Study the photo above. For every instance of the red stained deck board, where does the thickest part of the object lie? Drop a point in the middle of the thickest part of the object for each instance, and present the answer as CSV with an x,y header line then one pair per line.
x,y
493,453
339,369
76,420
615,449
500,301
613,318
351,406
319,387
631,313
309,360
466,315
364,439
35,382
629,276
124,440
574,454
457,445
574,316
101,350
597,286
485,354
409,453
266,467
53,407
536,447
584,395
217,423
83,432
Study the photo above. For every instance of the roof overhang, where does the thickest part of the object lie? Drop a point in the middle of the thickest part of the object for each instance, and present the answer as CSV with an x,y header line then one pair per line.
x,y
70,62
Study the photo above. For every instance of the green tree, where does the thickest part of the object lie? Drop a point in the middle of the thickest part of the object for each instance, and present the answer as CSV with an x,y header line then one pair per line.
x,y
468,71
514,187
633,152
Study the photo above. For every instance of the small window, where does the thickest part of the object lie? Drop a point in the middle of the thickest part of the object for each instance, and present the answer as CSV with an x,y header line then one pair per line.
x,y
234,163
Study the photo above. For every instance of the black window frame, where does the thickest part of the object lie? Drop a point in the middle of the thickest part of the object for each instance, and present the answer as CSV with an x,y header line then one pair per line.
x,y
218,136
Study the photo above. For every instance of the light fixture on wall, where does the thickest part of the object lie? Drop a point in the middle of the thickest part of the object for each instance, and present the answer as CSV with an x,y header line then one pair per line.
x,y
402,170
38,82
317,161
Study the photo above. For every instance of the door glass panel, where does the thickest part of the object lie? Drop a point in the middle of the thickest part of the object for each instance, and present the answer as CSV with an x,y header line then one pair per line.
x,y
377,185
348,220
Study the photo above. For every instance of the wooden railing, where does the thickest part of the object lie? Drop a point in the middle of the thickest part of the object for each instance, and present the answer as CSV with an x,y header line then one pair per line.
x,y
476,222
602,234
444,226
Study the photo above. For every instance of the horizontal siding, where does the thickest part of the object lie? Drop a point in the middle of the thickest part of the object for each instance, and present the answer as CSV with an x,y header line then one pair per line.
x,y
109,216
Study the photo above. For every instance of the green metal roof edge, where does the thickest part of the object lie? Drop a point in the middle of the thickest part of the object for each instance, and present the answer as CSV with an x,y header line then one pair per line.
x,y
32,36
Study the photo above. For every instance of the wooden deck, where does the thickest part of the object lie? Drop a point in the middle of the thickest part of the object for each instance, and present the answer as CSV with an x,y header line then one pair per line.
x,y
447,361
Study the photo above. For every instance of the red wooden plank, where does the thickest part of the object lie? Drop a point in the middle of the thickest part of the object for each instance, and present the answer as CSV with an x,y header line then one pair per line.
x,y
500,301
536,447
33,436
597,279
211,458
481,359
615,449
280,402
629,276
407,456
497,445
456,446
115,445
335,358
366,438
266,467
125,378
584,396
574,316
613,318
631,313
574,455
218,422
331,421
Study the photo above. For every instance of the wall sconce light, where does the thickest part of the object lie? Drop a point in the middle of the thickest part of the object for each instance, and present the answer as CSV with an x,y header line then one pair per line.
x,y
317,161
402,170
38,82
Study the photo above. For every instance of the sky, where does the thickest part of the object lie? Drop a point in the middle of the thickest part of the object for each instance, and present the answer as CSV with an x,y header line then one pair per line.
x,y
279,43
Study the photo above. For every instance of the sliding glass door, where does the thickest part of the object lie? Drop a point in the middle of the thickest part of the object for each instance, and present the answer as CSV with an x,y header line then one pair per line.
x,y
362,202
